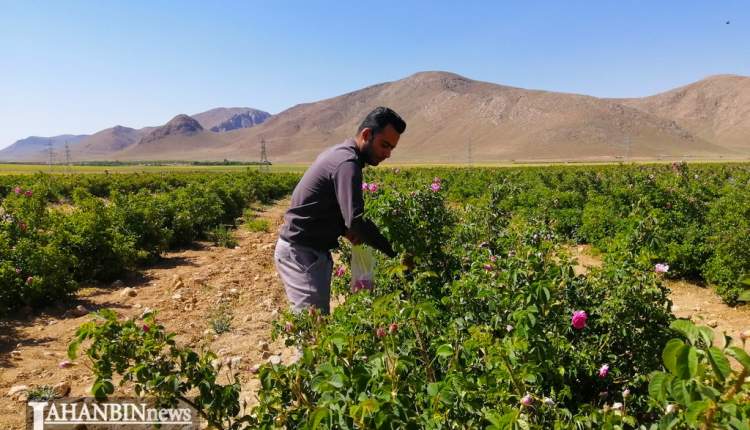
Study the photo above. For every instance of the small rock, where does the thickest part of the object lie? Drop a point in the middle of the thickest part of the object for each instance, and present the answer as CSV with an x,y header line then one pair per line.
x,y
263,345
50,354
207,332
117,284
80,311
697,309
177,285
51,322
275,360
17,389
15,354
137,305
713,323
177,296
234,291
128,292
274,313
62,389
256,277
266,354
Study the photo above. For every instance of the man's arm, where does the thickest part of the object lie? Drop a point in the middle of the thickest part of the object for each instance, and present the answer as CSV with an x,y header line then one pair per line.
x,y
347,181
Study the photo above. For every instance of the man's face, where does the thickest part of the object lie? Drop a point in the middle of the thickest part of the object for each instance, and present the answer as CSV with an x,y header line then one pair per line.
x,y
378,147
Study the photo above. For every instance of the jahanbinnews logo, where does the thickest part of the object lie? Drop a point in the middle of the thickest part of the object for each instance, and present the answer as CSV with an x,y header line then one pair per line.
x,y
120,414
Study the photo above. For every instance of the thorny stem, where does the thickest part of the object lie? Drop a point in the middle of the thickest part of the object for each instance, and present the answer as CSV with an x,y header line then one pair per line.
x,y
423,350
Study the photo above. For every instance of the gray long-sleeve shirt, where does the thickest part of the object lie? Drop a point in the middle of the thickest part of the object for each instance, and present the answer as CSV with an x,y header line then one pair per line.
x,y
328,201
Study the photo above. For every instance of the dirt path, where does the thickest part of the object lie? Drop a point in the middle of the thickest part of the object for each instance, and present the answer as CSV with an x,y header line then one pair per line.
x,y
186,288
689,300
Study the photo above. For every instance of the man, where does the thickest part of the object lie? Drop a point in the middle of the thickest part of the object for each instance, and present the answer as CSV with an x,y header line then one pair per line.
x,y
327,203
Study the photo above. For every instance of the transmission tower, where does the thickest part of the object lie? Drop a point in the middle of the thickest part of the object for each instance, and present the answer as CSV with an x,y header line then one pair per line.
x,y
627,148
264,163
67,156
50,154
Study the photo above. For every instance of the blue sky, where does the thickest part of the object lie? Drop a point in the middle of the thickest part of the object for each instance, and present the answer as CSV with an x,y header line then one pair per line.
x,y
78,67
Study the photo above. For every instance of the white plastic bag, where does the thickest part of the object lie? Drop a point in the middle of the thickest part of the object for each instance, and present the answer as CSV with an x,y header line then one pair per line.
x,y
363,268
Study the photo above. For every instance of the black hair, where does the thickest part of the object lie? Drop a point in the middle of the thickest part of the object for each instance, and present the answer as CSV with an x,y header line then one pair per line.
x,y
379,119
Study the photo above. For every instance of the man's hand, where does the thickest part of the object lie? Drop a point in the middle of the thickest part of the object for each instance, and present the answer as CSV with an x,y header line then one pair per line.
x,y
353,237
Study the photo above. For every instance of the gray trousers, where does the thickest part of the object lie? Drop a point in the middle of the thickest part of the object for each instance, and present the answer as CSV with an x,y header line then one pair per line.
x,y
306,274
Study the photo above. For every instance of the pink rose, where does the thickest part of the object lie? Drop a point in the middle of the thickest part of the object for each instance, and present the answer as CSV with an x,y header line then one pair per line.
x,y
393,328
380,332
373,187
435,187
604,371
527,400
146,328
288,327
340,271
487,267
28,193
661,268
364,186
579,319
29,280
18,190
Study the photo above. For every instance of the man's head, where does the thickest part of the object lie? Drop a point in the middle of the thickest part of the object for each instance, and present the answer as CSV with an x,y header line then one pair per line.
x,y
378,134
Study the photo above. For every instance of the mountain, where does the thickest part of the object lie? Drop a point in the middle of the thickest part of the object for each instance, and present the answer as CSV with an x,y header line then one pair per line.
x,y
241,120
453,119
716,109
449,117
181,125
107,141
35,148
226,119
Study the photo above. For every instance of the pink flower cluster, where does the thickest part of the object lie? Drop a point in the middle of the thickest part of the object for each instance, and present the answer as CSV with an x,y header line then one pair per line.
x,y
361,284
579,320
661,268
371,187
436,185
604,371
19,190
381,331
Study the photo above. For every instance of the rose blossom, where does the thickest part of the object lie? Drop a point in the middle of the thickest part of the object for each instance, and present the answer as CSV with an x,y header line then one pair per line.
x,y
364,186
604,371
393,328
527,400
435,187
340,271
579,319
380,332
661,268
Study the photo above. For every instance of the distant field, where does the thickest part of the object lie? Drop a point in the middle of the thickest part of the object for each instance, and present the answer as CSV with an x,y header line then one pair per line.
x,y
14,169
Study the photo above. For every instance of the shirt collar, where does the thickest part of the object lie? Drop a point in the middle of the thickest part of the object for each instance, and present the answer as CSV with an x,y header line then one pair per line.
x,y
361,157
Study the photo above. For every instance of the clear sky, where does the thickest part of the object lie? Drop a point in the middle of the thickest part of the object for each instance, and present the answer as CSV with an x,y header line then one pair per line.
x,y
79,67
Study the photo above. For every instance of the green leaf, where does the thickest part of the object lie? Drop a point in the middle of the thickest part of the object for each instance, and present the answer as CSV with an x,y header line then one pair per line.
x,y
706,334
657,387
740,355
719,363
695,409
444,350
73,349
687,362
317,416
686,328
744,296
669,354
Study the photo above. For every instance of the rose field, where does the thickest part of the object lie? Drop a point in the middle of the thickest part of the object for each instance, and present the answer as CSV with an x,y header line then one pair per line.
x,y
492,328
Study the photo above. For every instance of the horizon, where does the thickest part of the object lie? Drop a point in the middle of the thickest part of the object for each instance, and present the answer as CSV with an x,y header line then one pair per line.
x,y
83,67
